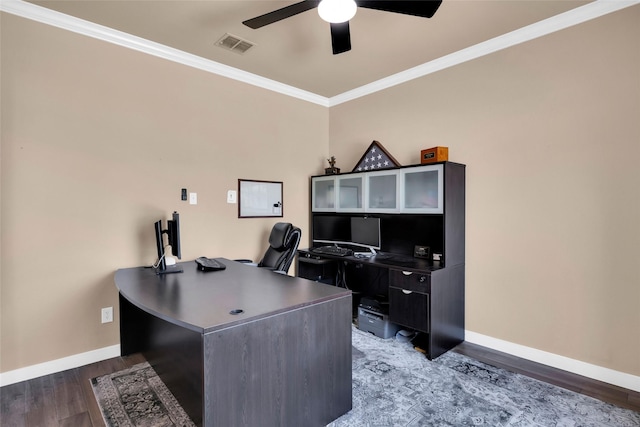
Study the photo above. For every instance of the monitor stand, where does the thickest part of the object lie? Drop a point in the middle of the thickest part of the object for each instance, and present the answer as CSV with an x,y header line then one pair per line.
x,y
170,269
372,252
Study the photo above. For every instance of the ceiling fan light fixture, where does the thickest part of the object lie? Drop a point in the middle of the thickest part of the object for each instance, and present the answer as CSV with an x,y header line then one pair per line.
x,y
337,11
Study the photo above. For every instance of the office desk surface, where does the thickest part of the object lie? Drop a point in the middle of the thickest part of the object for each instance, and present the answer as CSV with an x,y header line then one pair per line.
x,y
285,360
203,301
382,259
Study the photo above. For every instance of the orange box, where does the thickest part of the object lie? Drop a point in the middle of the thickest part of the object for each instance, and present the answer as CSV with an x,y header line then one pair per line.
x,y
435,154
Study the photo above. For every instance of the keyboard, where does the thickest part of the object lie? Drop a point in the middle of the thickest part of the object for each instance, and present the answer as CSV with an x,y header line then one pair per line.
x,y
209,264
332,250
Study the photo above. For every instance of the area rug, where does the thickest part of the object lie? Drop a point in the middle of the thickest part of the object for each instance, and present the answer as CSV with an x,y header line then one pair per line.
x,y
137,397
394,385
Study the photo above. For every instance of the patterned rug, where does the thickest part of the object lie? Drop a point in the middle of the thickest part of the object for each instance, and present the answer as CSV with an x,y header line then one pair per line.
x,y
137,397
394,385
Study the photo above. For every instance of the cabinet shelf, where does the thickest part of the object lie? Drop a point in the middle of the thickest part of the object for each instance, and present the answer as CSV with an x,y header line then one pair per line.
x,y
411,189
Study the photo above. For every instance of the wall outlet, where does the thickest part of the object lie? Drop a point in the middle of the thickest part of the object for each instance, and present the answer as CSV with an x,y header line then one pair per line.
x,y
107,314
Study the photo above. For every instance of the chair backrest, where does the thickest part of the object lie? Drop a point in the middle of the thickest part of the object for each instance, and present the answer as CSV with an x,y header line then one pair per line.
x,y
283,244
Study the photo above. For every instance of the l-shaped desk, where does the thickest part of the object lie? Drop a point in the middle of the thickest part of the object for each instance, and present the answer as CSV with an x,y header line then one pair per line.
x,y
243,346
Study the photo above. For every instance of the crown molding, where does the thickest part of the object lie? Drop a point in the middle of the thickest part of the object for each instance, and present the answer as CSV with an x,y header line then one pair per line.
x,y
547,26
556,23
100,32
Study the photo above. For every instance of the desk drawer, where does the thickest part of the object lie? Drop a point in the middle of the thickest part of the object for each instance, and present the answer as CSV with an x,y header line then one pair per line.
x,y
409,309
417,282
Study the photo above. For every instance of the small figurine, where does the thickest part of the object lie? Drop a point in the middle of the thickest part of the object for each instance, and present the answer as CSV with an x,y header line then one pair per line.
x,y
332,170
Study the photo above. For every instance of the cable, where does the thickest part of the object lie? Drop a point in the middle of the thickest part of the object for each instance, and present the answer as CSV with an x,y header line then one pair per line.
x,y
164,251
344,275
339,277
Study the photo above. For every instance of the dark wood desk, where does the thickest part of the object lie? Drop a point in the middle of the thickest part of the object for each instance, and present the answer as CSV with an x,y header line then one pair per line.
x,y
425,296
285,360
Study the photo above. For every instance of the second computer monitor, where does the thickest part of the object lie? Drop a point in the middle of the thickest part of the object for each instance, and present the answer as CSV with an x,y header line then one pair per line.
x,y
365,232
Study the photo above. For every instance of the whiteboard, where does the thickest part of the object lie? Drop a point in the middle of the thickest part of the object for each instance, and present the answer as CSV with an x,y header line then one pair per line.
x,y
259,199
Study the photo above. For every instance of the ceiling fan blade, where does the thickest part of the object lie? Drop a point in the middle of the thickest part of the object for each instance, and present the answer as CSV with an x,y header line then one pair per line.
x,y
280,14
340,37
424,9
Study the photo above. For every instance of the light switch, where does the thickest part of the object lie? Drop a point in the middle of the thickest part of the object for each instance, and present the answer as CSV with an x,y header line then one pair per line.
x,y
231,196
193,198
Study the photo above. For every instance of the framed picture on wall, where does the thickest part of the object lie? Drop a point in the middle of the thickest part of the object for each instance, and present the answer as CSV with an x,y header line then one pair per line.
x,y
259,199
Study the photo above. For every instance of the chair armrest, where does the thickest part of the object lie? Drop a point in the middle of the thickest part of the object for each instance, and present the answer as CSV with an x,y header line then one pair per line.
x,y
247,261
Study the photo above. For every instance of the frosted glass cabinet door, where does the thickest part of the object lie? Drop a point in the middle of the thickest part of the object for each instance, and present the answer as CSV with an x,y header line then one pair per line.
x,y
350,193
422,189
383,191
323,194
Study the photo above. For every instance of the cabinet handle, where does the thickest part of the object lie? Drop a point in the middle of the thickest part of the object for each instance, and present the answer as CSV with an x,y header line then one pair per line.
x,y
407,273
423,279
404,291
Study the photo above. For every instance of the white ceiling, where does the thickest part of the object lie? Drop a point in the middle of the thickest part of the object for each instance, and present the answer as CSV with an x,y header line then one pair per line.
x,y
297,50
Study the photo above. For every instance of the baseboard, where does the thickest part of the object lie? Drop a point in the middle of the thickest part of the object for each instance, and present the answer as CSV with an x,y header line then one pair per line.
x,y
620,379
59,365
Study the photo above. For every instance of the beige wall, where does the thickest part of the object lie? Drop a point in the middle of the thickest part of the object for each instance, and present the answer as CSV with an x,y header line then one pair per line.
x,y
550,133
97,142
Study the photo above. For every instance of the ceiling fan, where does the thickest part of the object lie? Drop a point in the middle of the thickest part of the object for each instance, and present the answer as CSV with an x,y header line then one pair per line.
x,y
339,12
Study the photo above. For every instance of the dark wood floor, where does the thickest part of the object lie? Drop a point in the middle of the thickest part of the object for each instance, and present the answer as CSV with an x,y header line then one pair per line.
x,y
66,398
602,391
60,399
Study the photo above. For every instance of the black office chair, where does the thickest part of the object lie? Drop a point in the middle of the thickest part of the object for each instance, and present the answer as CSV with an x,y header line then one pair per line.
x,y
283,244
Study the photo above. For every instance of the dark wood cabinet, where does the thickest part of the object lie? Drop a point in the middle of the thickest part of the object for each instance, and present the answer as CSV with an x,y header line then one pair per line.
x,y
420,294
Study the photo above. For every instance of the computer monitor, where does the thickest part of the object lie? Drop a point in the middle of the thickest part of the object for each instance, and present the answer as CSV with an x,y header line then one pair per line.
x,y
173,239
365,232
331,229
173,234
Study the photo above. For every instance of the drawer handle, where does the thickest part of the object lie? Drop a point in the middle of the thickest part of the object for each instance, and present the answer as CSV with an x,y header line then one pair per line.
x,y
404,291
407,273
423,279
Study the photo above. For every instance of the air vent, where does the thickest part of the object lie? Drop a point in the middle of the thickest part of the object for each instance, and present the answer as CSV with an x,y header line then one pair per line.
x,y
235,43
